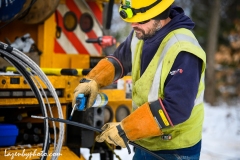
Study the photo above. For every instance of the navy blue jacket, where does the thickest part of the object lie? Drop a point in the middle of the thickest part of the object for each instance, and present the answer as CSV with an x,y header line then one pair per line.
x,y
180,89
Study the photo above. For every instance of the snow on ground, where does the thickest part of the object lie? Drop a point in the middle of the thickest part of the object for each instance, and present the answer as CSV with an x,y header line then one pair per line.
x,y
221,135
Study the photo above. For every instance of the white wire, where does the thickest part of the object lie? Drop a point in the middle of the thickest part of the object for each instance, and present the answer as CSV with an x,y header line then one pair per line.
x,y
25,61
49,107
44,107
43,77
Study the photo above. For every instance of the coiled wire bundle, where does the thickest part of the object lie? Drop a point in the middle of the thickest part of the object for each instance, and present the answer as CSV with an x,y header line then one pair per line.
x,y
30,70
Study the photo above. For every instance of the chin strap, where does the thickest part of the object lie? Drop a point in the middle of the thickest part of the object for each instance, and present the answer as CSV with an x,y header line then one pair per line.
x,y
124,137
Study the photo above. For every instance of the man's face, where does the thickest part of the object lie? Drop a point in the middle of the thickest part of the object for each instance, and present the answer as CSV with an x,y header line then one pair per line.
x,y
146,30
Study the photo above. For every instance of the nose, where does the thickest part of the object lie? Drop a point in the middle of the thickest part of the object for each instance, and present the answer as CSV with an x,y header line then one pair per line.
x,y
134,24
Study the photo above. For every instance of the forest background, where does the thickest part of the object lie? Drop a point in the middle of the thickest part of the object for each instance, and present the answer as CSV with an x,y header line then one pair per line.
x,y
217,27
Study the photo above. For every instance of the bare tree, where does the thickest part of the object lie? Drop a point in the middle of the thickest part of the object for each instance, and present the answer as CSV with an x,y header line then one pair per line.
x,y
211,48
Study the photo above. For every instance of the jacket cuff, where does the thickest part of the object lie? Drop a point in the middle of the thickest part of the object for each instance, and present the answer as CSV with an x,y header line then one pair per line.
x,y
117,65
160,114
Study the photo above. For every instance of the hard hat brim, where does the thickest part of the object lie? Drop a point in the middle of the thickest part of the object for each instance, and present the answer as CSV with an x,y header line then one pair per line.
x,y
153,12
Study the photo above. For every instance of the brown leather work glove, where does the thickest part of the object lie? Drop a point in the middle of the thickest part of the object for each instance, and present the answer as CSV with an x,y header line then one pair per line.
x,y
110,134
100,76
139,124
89,88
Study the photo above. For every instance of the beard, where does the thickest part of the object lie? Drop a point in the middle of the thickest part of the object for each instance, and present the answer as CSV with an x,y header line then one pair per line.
x,y
141,34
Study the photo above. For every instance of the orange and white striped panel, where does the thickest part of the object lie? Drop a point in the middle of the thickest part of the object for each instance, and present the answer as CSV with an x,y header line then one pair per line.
x,y
74,42
97,10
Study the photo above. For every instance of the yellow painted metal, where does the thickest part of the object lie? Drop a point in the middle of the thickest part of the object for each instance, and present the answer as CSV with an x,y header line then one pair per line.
x,y
18,153
114,94
40,36
44,34
114,105
80,61
65,83
117,98
48,31
49,71
62,1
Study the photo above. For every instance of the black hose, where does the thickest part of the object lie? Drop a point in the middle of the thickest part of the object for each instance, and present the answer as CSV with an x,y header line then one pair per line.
x,y
109,14
28,78
81,125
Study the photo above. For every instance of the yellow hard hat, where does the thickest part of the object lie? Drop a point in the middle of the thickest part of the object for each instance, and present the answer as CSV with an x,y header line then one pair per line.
x,y
142,10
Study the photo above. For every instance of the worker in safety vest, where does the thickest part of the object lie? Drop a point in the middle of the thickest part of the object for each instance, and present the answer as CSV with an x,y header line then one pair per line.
x,y
167,66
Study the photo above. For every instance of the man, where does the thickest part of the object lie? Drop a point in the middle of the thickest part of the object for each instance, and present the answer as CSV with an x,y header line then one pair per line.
x,y
167,65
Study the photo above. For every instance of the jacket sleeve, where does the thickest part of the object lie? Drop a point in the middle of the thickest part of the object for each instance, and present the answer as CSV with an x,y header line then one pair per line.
x,y
124,55
181,87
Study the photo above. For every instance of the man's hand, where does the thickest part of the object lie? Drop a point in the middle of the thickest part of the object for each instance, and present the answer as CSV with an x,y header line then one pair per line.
x,y
138,125
111,133
103,74
89,88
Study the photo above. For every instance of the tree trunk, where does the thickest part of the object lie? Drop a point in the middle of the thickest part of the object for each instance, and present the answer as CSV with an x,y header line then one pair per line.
x,y
212,41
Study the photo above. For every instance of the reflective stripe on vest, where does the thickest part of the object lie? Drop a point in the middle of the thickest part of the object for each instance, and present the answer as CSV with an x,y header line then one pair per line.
x,y
154,94
150,87
134,43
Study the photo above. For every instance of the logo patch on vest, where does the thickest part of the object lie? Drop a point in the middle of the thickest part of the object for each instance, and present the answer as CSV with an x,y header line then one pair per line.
x,y
166,137
176,71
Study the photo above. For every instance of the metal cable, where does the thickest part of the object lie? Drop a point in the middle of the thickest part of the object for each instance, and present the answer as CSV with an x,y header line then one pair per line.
x,y
22,62
49,108
22,70
37,83
95,130
34,67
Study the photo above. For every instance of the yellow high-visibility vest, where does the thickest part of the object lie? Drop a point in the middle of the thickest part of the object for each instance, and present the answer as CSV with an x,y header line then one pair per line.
x,y
150,86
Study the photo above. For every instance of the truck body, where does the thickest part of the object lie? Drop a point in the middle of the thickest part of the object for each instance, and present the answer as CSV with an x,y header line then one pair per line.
x,y
57,35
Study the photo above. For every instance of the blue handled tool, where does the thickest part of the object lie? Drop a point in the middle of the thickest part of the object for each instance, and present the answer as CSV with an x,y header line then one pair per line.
x,y
80,104
81,100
